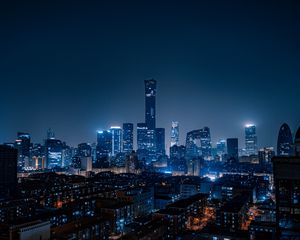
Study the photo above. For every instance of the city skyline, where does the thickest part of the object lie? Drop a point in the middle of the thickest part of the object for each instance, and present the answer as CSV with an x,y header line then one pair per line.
x,y
217,65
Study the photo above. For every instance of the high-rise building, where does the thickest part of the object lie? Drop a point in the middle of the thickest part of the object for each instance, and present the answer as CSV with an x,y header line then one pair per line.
x,y
193,167
250,139
221,148
177,151
104,144
146,143
22,144
285,141
174,134
116,133
150,95
54,149
205,142
297,143
287,185
127,137
193,144
50,134
84,150
8,171
232,149
265,155
198,143
160,141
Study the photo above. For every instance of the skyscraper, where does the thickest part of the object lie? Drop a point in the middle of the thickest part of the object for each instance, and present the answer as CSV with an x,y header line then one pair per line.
x,y
150,95
250,139
116,132
50,134
193,144
8,171
205,142
146,143
84,150
284,141
160,141
297,143
22,144
127,137
54,149
174,134
232,149
104,144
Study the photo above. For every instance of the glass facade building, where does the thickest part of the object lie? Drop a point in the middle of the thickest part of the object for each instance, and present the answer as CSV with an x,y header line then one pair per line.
x,y
250,139
285,141
174,134
127,137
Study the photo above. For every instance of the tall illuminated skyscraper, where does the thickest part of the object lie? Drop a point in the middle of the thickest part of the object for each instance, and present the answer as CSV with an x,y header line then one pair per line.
x,y
104,143
205,141
116,132
146,143
127,137
250,139
54,149
150,95
22,144
174,134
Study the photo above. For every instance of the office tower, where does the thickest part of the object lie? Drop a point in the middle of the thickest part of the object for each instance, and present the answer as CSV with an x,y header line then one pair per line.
x,y
84,150
232,149
146,143
177,151
297,143
287,185
221,148
174,134
38,156
22,144
50,134
193,167
104,144
132,163
265,155
160,141
285,141
127,137
205,142
116,133
198,143
150,95
193,144
8,171
250,139
54,149
86,163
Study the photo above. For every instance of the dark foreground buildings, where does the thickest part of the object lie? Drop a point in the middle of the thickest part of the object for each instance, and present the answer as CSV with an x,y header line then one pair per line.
x,y
287,185
8,171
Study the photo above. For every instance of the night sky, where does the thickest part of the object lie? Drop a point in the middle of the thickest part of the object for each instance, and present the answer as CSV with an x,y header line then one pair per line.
x,y
79,66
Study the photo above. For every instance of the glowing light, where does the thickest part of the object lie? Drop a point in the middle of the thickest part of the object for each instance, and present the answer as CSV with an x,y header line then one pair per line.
x,y
249,125
100,131
115,127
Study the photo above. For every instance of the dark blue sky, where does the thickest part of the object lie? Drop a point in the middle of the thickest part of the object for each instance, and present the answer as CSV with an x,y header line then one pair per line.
x,y
79,66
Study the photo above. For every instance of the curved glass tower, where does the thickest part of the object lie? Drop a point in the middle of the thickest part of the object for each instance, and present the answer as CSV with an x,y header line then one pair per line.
x,y
297,143
284,141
